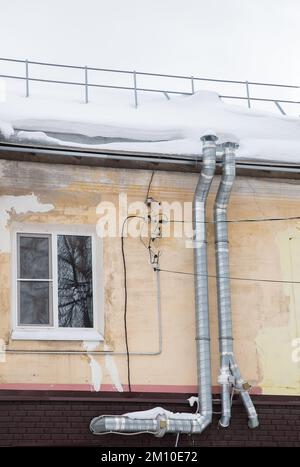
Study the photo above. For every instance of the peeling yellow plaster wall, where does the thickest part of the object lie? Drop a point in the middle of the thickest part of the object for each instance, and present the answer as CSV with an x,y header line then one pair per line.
x,y
263,314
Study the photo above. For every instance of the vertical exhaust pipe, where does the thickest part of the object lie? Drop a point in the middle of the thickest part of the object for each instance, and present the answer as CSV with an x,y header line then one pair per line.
x,y
201,275
230,376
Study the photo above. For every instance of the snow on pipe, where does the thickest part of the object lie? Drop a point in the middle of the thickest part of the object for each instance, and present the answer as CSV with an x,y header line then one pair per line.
x,y
159,421
230,376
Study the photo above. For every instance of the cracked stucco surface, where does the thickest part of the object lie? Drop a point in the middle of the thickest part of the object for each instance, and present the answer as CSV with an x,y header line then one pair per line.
x,y
265,315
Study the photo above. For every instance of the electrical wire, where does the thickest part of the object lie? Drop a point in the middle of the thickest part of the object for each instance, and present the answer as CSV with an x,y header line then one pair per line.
x,y
154,260
141,236
236,221
215,276
153,255
126,298
149,186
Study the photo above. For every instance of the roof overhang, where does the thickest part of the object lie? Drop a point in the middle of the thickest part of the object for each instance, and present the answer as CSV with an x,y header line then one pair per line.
x,y
141,160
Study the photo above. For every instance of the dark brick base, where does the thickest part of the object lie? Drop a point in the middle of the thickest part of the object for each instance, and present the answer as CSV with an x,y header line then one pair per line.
x,y
62,419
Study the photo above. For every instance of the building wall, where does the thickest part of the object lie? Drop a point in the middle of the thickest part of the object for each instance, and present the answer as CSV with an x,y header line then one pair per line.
x,y
62,419
265,317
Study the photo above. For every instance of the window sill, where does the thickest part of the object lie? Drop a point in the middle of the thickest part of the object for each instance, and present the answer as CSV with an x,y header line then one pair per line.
x,y
56,334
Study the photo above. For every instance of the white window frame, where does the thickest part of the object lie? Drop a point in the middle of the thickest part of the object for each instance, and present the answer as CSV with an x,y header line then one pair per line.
x,y
54,332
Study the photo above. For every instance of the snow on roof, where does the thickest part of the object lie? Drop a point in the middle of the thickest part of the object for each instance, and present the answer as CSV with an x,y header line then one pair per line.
x,y
170,127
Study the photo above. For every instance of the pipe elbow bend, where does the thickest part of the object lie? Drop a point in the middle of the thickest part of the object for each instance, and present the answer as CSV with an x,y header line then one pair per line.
x,y
253,422
224,421
97,424
206,421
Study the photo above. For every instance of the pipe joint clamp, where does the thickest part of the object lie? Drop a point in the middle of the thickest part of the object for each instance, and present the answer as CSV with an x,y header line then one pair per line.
x,y
162,426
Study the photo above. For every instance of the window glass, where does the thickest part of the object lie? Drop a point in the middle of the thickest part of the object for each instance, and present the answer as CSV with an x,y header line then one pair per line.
x,y
75,288
34,283
34,302
34,257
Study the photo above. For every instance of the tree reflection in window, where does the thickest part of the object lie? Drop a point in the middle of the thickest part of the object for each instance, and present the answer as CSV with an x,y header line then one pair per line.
x,y
75,287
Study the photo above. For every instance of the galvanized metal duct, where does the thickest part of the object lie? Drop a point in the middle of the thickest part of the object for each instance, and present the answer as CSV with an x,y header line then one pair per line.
x,y
184,423
230,376
201,277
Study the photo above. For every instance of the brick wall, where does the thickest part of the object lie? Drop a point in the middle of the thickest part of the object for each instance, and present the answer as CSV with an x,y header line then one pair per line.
x,y
48,418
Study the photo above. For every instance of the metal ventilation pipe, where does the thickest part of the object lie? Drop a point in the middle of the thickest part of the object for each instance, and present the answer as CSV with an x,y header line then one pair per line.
x,y
167,422
201,276
230,376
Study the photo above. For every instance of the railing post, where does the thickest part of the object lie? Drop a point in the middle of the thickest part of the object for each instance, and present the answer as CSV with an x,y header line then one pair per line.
x,y
135,90
192,84
86,84
279,107
248,94
27,78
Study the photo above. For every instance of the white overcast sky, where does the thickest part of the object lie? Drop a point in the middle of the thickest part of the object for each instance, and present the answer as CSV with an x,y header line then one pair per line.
x,y
241,39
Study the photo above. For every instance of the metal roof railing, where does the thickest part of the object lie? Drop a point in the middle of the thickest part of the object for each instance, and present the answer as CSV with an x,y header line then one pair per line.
x,y
86,84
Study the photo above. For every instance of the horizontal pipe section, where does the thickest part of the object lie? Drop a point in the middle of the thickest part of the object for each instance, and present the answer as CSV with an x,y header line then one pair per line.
x,y
158,426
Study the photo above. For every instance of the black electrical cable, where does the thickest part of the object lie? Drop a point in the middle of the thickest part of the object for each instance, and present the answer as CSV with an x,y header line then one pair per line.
x,y
125,280
153,256
149,185
126,297
151,253
237,221
215,276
